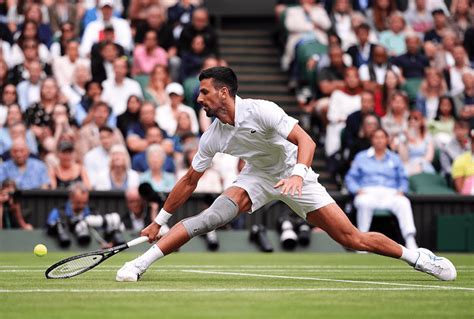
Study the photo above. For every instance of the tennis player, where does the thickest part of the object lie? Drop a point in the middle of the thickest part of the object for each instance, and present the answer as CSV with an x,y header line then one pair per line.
x,y
278,155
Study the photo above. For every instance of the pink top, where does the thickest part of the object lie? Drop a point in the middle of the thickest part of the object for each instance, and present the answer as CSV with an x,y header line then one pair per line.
x,y
144,63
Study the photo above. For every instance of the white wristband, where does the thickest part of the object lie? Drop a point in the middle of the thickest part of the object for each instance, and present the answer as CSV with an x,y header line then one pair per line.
x,y
162,217
300,170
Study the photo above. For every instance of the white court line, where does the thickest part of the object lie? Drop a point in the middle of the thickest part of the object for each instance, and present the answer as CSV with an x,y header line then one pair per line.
x,y
273,271
328,280
200,290
368,267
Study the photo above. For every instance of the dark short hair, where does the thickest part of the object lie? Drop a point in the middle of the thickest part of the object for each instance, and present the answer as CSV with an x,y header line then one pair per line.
x,y
437,11
91,82
462,123
102,103
363,26
221,77
106,129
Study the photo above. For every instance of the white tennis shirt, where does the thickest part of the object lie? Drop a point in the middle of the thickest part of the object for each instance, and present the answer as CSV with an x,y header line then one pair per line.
x,y
258,138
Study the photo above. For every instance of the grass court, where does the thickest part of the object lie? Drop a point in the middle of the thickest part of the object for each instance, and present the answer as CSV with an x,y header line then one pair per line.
x,y
238,285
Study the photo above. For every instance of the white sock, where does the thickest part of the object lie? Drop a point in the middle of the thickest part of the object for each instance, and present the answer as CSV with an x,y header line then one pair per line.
x,y
151,255
410,256
410,242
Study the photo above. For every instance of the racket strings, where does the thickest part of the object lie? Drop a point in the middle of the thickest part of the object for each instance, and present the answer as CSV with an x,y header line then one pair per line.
x,y
75,266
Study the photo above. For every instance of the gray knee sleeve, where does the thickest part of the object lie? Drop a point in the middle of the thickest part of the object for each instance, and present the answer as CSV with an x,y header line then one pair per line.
x,y
222,211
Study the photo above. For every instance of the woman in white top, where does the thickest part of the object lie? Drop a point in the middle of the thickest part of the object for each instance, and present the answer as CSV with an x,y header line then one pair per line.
x,y
120,176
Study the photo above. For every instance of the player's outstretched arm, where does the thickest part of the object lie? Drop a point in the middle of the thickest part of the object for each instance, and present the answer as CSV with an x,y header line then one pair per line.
x,y
306,147
177,197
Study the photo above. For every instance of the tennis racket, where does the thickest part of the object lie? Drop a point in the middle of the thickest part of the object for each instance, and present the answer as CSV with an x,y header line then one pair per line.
x,y
76,265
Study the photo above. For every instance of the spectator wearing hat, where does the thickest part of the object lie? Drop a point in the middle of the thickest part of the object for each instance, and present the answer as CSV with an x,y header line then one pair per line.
x,y
117,90
167,115
68,171
26,172
463,171
92,12
94,31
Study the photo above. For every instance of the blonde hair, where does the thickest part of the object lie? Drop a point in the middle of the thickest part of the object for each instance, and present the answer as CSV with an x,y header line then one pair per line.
x,y
120,149
155,149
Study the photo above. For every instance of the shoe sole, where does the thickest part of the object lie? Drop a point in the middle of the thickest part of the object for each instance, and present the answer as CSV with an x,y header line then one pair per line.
x,y
122,279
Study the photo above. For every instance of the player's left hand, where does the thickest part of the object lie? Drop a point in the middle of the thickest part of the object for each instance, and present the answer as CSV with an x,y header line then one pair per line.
x,y
291,185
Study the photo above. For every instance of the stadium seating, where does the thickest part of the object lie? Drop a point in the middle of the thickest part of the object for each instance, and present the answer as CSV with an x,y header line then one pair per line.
x,y
425,183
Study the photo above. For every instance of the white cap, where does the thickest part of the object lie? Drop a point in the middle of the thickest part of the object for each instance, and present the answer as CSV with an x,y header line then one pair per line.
x,y
175,88
103,3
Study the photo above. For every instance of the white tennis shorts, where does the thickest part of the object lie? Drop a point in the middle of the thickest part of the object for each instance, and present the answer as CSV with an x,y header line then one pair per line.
x,y
261,191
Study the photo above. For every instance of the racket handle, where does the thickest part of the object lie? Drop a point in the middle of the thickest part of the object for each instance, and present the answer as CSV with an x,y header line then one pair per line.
x,y
137,241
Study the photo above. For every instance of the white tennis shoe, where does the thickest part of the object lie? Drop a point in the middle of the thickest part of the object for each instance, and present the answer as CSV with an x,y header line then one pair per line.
x,y
131,271
435,266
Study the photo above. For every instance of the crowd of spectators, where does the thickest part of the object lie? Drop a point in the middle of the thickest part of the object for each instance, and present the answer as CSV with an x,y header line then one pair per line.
x,y
102,93
389,86
407,65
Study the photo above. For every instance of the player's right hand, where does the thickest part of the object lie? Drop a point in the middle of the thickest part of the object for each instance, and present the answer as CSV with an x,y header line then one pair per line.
x,y
151,231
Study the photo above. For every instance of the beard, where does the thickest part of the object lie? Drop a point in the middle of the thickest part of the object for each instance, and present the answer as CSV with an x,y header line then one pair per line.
x,y
210,113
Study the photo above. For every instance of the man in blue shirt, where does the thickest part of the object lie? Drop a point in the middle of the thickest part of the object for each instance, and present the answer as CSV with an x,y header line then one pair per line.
x,y
378,180
28,173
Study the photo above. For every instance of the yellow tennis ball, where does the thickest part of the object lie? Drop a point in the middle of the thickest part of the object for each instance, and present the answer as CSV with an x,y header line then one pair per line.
x,y
40,250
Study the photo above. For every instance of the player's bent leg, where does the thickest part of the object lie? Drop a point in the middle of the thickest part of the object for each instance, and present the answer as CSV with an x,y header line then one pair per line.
x,y
333,220
224,209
